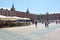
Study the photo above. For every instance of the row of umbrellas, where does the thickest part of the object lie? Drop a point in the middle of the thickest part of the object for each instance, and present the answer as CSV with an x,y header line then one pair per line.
x,y
12,18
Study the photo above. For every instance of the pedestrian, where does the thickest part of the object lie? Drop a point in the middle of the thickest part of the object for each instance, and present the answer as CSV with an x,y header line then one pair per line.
x,y
46,24
36,24
56,22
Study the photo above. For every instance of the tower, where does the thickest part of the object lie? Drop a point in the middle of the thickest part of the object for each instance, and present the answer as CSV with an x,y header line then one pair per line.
x,y
27,11
13,9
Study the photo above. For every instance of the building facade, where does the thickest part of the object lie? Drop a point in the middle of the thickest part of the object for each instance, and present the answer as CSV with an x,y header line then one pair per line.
x,y
13,12
27,14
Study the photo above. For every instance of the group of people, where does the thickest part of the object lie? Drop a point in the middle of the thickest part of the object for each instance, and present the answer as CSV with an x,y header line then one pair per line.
x,y
46,24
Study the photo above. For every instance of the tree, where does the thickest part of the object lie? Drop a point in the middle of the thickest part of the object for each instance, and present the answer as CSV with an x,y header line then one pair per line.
x,y
1,11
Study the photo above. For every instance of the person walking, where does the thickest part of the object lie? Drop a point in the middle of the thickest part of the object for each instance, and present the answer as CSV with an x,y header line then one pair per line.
x,y
56,22
36,24
46,24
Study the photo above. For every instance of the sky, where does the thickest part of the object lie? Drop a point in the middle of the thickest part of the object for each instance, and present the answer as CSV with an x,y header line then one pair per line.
x,y
34,6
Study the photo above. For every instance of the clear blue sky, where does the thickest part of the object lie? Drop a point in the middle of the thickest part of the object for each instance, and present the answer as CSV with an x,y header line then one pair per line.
x,y
34,6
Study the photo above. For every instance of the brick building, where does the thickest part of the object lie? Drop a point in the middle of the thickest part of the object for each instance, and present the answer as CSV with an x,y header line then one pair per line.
x,y
27,14
13,12
54,16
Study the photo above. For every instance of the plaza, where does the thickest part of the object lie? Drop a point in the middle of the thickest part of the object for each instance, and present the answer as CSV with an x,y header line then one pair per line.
x,y
31,33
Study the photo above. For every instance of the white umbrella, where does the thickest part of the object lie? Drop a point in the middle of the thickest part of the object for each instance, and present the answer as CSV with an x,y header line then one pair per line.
x,y
7,18
26,18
